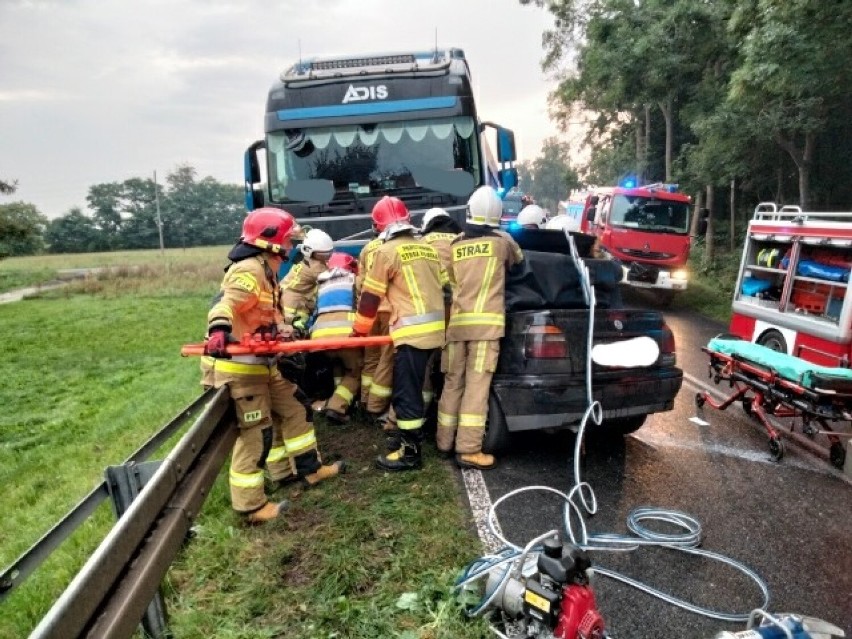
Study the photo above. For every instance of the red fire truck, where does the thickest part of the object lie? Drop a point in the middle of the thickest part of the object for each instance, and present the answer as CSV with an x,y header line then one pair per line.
x,y
792,292
645,227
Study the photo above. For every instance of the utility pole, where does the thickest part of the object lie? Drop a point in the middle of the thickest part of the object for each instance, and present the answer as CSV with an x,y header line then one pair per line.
x,y
159,219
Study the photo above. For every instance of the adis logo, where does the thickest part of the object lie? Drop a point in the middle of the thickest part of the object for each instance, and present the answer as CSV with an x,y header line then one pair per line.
x,y
356,94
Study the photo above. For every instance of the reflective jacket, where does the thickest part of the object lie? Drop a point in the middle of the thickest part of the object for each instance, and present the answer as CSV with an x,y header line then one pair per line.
x,y
408,272
335,304
480,259
299,290
365,260
247,302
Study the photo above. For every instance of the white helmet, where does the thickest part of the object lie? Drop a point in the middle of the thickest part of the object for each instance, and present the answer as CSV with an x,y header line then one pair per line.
x,y
317,242
532,215
397,228
431,214
485,207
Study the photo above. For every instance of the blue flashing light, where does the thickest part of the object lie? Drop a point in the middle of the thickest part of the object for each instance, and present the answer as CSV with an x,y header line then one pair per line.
x,y
501,192
514,226
629,183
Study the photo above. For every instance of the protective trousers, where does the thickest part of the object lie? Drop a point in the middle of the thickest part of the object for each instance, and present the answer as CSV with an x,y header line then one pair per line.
x,y
274,433
352,360
377,372
428,393
463,409
409,371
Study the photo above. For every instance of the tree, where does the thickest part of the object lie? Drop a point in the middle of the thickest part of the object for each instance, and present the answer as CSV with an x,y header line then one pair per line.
x,y
21,229
549,177
7,188
105,202
74,232
794,72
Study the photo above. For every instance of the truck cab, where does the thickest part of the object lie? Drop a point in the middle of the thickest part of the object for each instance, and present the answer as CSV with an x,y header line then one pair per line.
x,y
646,228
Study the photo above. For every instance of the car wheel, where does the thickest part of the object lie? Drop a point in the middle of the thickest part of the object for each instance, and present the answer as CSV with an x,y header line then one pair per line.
x,y
774,340
622,425
497,435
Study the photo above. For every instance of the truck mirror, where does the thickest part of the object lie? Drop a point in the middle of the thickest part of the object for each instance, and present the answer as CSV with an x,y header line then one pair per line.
x,y
590,214
705,213
251,173
593,200
506,146
701,228
508,178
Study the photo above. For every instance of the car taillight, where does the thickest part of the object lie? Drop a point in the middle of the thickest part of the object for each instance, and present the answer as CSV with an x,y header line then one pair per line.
x,y
668,357
545,342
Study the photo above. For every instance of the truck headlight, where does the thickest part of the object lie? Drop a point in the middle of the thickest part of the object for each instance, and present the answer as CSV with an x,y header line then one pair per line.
x,y
680,274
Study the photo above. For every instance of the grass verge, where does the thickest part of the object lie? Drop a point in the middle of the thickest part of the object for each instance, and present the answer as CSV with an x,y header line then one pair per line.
x,y
91,370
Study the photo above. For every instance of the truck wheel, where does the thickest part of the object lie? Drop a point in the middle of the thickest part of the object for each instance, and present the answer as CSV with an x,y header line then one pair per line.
x,y
622,425
774,340
497,436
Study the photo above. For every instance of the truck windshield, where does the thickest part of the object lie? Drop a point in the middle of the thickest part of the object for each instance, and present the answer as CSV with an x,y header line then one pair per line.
x,y
650,214
377,159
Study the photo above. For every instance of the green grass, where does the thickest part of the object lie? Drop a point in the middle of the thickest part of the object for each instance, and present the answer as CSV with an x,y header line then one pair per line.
x,y
90,371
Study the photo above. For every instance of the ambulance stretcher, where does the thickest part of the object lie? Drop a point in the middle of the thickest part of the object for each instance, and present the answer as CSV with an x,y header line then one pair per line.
x,y
771,383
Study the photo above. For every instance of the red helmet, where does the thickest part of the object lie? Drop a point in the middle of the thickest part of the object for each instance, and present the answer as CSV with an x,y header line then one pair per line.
x,y
387,211
268,229
342,260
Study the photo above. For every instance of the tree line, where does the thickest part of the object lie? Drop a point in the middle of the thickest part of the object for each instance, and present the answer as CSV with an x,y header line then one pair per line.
x,y
123,215
710,93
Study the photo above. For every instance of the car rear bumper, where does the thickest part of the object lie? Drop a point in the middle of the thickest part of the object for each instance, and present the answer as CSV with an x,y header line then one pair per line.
x,y
531,403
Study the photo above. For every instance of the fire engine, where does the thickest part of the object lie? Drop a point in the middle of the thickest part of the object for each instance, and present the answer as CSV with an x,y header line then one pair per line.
x,y
792,291
644,227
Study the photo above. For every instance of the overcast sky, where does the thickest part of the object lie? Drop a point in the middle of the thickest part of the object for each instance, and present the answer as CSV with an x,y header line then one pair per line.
x,y
95,91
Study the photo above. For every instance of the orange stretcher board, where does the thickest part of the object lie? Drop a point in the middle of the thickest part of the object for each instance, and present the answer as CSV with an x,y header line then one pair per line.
x,y
273,347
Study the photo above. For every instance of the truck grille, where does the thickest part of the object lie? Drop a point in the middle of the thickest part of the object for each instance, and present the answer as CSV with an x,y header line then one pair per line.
x,y
650,255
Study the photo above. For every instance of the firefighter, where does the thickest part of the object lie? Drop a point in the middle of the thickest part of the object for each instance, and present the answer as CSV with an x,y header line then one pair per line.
x,y
481,256
299,286
532,217
408,273
336,296
438,229
377,371
274,429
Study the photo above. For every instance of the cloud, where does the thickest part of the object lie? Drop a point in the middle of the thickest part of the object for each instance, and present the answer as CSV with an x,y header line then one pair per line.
x,y
102,90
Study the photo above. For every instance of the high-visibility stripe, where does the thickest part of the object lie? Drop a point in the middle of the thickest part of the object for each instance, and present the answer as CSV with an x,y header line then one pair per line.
x,y
366,381
485,287
450,421
375,285
243,480
413,289
471,420
224,366
342,331
303,442
222,310
337,379
420,319
409,424
418,329
276,454
344,393
380,391
478,319
207,360
427,397
481,349
289,310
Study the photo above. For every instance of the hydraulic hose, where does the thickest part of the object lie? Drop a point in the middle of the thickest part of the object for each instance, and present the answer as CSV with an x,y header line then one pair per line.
x,y
581,500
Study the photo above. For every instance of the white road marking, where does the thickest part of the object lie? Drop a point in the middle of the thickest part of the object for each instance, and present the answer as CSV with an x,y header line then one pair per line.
x,y
480,504
698,421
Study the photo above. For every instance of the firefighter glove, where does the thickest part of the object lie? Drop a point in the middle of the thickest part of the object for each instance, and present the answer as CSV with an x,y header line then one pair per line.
x,y
300,327
217,342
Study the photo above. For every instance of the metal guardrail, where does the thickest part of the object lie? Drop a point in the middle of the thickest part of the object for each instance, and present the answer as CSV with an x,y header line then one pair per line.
x,y
109,595
15,574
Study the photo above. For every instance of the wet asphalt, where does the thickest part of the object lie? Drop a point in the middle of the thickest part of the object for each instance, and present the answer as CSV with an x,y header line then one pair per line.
x,y
791,522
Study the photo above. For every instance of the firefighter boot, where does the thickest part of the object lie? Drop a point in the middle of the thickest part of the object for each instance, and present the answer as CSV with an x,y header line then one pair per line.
x,y
326,471
268,512
336,417
406,457
393,439
480,460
